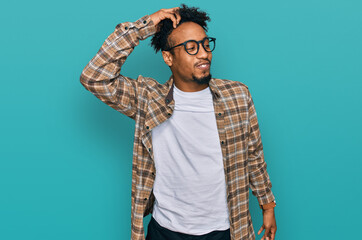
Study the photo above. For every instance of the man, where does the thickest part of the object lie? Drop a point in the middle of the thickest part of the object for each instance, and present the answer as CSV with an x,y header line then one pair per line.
x,y
197,145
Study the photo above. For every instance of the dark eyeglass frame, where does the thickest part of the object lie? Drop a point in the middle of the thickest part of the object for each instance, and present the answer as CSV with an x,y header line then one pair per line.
x,y
198,44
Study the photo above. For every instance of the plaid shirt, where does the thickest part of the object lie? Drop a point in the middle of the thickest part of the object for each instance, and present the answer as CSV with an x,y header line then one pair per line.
x,y
150,103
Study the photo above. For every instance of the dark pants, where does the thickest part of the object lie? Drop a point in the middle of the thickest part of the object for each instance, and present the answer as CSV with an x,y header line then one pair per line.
x,y
156,232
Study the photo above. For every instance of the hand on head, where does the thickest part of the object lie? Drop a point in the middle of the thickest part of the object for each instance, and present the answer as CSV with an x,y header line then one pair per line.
x,y
170,13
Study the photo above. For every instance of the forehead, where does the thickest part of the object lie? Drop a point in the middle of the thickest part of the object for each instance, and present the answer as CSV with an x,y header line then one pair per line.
x,y
187,31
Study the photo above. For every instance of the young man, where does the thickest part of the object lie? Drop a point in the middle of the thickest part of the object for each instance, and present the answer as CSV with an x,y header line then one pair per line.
x,y
197,145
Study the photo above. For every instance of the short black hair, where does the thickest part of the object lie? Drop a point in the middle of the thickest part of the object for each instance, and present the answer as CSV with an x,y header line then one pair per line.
x,y
188,14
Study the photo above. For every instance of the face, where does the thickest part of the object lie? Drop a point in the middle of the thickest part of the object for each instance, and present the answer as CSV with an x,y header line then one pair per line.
x,y
195,68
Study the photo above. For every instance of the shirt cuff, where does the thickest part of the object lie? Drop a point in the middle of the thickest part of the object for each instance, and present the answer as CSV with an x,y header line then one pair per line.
x,y
267,198
144,26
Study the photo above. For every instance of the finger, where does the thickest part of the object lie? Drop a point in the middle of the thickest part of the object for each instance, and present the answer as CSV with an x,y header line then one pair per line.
x,y
261,229
176,13
172,17
178,17
272,236
172,9
273,231
266,233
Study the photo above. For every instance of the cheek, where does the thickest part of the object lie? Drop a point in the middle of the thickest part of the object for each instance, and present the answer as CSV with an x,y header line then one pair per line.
x,y
186,63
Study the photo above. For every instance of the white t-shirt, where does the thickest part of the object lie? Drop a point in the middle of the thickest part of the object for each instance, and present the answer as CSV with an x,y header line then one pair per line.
x,y
190,187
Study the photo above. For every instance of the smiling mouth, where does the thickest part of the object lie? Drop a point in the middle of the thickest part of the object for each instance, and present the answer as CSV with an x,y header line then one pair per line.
x,y
204,66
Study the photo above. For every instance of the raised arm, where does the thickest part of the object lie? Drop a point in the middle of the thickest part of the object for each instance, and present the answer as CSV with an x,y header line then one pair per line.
x,y
101,76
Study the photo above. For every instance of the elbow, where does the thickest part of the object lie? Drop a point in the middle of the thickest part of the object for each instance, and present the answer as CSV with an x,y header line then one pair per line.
x,y
84,80
83,76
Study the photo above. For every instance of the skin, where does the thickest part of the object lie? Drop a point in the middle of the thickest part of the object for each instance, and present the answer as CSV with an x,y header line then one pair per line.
x,y
269,224
187,77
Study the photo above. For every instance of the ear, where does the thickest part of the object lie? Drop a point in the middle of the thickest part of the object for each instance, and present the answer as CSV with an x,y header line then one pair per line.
x,y
167,57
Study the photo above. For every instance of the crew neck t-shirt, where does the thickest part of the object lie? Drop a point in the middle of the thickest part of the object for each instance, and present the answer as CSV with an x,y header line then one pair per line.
x,y
190,187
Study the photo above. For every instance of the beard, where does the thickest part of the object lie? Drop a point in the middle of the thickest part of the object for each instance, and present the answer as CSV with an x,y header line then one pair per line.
x,y
202,80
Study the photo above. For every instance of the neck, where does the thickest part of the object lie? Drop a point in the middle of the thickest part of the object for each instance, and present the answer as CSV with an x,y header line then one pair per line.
x,y
188,85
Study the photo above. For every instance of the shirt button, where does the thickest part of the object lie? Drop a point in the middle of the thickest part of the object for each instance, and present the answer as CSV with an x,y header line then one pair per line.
x,y
144,21
167,100
149,149
125,28
169,114
219,114
147,127
222,142
153,173
145,199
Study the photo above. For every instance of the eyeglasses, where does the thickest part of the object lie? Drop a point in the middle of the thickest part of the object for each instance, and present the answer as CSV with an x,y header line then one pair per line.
x,y
192,46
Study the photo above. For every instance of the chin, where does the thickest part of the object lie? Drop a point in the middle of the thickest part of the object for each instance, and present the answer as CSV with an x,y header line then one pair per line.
x,y
202,80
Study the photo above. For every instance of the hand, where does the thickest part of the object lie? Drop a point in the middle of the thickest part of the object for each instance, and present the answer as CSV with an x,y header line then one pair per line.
x,y
269,224
170,13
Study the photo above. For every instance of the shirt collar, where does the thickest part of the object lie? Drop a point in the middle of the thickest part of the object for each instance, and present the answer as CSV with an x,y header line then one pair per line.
x,y
170,84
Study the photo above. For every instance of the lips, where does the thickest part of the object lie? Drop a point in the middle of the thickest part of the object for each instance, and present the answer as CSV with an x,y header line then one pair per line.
x,y
203,65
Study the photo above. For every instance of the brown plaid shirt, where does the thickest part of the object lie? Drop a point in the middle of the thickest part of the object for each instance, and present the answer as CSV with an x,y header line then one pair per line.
x,y
150,103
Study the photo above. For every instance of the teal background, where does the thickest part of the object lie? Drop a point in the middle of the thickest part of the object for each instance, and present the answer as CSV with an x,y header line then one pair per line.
x,y
66,157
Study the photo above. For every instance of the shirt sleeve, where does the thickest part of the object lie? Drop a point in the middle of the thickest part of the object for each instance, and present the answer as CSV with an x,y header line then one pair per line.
x,y
260,183
101,76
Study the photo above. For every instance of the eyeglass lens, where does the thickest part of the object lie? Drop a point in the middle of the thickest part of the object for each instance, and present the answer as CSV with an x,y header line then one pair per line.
x,y
192,46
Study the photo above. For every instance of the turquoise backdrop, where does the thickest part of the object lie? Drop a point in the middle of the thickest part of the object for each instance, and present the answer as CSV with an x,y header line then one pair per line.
x,y
66,157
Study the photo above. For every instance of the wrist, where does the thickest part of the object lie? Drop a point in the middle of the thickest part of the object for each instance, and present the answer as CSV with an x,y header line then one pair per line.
x,y
268,206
